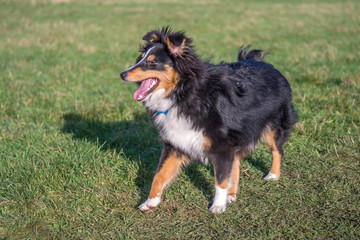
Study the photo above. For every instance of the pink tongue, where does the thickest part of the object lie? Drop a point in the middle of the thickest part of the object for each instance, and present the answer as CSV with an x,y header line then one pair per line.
x,y
146,86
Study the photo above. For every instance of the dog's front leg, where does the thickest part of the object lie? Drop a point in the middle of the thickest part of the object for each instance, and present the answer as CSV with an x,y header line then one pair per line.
x,y
226,169
168,169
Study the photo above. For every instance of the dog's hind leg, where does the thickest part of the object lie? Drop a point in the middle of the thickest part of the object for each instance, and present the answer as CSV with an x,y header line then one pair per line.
x,y
276,139
169,167
270,139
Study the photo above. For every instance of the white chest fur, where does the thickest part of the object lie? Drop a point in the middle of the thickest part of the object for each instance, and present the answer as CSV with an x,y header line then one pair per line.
x,y
176,129
180,133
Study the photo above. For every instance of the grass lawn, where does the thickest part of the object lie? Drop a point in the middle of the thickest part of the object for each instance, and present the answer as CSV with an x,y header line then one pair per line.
x,y
77,153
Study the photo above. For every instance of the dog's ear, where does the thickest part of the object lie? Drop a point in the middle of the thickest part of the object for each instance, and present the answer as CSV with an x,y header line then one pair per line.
x,y
177,43
153,37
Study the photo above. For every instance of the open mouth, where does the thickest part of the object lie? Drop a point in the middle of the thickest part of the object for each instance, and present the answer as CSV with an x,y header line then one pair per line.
x,y
146,87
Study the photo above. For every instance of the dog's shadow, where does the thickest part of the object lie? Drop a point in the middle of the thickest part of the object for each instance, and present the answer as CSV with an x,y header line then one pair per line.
x,y
137,140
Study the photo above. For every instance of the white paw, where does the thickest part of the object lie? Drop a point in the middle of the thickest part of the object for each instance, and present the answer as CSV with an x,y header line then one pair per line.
x,y
217,209
219,204
149,204
230,199
271,176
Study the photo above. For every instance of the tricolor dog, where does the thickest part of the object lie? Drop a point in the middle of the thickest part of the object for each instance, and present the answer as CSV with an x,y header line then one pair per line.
x,y
210,113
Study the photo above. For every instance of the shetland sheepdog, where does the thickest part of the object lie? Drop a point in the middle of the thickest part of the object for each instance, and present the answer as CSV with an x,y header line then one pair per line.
x,y
209,113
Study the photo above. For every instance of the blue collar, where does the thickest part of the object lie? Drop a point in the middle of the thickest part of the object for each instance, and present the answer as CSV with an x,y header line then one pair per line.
x,y
165,112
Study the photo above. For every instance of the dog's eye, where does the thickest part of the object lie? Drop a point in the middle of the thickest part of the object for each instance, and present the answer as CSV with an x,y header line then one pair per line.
x,y
151,63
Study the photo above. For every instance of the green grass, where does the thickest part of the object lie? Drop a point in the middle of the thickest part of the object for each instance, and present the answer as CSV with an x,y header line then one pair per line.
x,y
77,153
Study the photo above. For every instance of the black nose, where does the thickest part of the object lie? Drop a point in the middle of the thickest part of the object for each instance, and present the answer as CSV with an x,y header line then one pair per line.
x,y
123,75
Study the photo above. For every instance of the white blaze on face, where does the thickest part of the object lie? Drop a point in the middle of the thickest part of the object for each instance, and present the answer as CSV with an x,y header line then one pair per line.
x,y
145,56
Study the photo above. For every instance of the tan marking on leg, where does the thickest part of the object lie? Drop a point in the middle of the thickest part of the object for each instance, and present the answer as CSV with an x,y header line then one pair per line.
x,y
168,172
276,163
235,174
269,138
221,195
224,183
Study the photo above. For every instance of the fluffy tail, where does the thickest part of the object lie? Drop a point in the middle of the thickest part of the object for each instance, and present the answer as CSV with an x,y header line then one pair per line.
x,y
255,54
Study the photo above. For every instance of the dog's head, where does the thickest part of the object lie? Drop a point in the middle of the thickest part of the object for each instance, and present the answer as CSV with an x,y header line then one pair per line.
x,y
166,58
